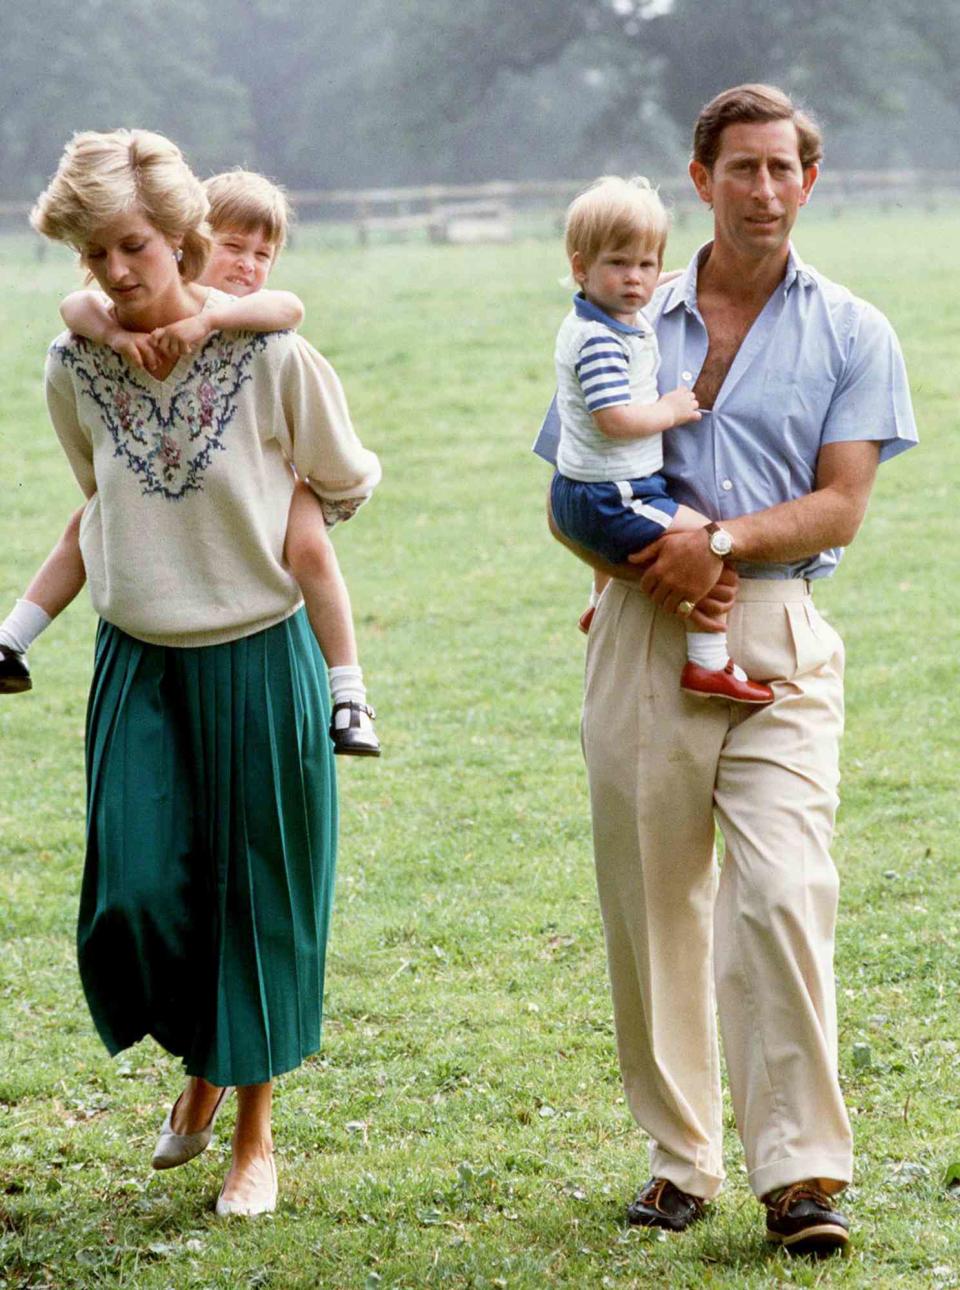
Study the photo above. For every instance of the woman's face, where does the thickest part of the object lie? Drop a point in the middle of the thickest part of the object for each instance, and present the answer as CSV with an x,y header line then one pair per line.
x,y
135,265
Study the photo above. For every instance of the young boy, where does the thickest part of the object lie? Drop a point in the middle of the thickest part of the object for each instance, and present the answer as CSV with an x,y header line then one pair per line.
x,y
248,217
608,494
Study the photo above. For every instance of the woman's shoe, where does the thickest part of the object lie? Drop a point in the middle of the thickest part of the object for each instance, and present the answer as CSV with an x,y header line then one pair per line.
x,y
262,1201
174,1149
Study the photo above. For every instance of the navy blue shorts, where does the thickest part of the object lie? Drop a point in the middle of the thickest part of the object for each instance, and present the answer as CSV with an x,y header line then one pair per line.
x,y
612,519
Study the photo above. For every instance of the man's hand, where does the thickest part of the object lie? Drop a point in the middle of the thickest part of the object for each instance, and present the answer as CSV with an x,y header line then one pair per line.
x,y
137,347
710,614
679,566
712,605
181,337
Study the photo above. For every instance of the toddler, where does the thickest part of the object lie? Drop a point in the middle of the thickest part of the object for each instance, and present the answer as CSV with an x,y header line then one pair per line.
x,y
608,495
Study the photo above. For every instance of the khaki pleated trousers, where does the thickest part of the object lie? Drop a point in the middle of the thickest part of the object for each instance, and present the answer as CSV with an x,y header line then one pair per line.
x,y
752,942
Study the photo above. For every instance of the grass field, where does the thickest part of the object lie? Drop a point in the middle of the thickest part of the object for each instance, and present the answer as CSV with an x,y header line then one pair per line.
x,y
464,1124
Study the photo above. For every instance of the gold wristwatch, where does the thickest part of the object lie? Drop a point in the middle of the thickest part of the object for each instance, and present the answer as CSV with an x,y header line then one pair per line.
x,y
721,543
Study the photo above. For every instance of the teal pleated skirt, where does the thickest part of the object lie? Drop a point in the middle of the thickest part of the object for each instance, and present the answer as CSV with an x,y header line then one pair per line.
x,y
211,846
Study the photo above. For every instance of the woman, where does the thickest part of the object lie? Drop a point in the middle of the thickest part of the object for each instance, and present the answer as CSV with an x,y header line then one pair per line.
x,y
211,820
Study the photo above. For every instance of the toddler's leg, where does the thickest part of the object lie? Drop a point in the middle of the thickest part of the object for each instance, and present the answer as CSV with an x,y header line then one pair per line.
x,y
710,671
313,562
600,580
57,582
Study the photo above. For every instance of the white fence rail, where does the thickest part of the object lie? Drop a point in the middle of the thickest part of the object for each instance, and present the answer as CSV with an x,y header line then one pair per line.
x,y
489,208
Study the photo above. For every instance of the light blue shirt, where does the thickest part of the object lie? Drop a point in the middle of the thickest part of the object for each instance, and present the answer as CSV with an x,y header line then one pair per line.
x,y
818,366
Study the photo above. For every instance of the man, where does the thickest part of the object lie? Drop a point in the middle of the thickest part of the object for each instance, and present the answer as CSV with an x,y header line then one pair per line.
x,y
803,392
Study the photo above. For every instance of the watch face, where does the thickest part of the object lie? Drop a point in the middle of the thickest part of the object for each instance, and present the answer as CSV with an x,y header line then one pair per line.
x,y
721,543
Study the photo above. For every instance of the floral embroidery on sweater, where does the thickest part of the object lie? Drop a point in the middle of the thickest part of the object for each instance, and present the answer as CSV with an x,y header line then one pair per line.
x,y
167,438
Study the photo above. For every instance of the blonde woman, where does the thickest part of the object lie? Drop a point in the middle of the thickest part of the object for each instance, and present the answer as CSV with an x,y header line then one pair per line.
x,y
211,821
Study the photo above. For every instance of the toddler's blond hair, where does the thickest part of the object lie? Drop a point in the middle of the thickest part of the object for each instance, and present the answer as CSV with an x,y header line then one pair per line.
x,y
615,213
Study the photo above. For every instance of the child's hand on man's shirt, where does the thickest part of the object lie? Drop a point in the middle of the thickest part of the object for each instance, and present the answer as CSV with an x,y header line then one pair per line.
x,y
682,404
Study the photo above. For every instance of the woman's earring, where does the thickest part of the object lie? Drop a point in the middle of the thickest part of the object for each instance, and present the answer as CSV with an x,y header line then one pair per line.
x,y
178,254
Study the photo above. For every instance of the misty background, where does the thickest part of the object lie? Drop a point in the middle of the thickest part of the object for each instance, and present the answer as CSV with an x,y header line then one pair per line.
x,y
369,93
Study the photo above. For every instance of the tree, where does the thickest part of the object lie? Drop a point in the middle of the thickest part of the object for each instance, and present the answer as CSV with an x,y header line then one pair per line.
x,y
660,60
69,65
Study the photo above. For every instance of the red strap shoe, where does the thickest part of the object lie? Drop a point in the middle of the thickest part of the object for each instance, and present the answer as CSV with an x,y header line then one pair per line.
x,y
723,684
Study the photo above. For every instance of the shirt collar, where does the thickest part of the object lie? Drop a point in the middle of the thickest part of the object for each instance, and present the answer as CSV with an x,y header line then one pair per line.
x,y
683,290
584,308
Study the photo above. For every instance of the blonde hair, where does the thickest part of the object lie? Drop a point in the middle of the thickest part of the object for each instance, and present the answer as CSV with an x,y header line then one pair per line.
x,y
250,203
104,175
615,213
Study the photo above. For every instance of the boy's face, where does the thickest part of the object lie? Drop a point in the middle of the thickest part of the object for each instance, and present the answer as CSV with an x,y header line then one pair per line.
x,y
240,262
619,281
756,186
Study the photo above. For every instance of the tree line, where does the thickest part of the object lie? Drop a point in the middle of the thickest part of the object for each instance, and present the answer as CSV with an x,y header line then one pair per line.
x,y
349,93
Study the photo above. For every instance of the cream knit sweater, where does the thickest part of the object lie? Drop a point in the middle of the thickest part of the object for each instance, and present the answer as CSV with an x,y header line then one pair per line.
x,y
189,480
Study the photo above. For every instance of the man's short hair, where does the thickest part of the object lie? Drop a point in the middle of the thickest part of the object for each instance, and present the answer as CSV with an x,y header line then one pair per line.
x,y
749,103
615,213
250,203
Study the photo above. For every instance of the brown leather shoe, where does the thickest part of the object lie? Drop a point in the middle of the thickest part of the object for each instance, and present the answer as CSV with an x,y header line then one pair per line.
x,y
803,1220
660,1204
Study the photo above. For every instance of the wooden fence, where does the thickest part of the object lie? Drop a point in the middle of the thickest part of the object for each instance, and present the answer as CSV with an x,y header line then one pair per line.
x,y
455,212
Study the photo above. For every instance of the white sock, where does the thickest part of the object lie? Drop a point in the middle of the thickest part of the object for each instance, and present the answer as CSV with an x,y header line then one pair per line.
x,y
708,649
23,625
346,686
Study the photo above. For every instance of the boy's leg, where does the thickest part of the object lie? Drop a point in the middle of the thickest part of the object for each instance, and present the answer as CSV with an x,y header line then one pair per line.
x,y
57,582
600,581
618,518
313,562
710,671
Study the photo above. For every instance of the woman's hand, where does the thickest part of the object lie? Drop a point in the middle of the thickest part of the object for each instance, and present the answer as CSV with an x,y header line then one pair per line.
x,y
181,337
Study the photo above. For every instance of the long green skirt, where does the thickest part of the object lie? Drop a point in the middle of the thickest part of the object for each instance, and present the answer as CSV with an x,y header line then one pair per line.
x,y
211,845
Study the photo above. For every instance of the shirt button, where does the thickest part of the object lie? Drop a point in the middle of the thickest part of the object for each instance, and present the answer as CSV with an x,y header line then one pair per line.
x,y
727,485
686,376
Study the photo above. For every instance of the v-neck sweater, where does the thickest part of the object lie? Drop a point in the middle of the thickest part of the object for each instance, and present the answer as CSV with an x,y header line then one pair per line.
x,y
189,479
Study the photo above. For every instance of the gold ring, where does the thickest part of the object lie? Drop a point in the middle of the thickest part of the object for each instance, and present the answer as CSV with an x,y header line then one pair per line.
x,y
685,608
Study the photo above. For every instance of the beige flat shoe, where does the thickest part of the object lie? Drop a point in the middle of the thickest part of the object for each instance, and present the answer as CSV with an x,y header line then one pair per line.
x,y
263,1200
174,1149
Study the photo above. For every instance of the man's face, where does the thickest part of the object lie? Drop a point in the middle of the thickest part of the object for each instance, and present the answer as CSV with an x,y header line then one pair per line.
x,y
756,186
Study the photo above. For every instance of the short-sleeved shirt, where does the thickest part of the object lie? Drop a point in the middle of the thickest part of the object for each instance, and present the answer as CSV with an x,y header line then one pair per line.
x,y
818,366
602,362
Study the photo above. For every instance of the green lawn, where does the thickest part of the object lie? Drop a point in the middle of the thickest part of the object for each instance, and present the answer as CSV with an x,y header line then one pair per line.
x,y
464,1124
